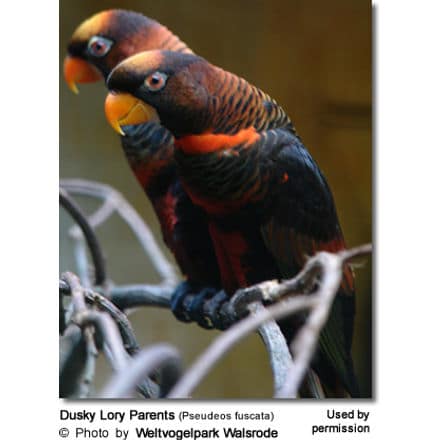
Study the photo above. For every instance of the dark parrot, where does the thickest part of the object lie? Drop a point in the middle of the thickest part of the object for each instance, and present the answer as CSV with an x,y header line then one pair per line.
x,y
240,159
97,46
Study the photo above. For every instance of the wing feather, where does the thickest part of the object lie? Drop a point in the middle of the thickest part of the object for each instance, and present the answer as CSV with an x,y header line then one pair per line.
x,y
301,220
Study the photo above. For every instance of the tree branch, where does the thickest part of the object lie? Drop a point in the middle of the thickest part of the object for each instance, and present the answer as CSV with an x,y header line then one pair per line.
x,y
161,357
279,355
88,319
229,338
143,234
95,249
124,326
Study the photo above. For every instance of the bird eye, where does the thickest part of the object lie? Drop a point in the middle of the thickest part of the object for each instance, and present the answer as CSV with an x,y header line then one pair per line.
x,y
99,46
156,81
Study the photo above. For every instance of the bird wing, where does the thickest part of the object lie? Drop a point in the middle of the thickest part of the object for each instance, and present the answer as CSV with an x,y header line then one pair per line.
x,y
301,220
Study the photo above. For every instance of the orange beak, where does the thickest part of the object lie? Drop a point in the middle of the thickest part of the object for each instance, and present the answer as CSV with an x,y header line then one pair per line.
x,y
77,70
124,109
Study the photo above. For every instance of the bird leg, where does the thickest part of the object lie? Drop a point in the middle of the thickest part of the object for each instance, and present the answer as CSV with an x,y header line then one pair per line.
x,y
204,305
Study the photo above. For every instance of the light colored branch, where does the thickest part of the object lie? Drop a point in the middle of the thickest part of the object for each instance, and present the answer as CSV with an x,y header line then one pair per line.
x,y
229,338
161,356
142,232
88,319
76,291
124,325
78,306
279,355
109,332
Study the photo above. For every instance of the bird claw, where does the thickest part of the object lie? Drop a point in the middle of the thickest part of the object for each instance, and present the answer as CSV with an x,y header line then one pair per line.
x,y
182,291
213,310
195,310
204,306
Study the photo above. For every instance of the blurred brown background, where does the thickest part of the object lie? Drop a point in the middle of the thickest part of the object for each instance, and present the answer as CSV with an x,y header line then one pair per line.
x,y
314,58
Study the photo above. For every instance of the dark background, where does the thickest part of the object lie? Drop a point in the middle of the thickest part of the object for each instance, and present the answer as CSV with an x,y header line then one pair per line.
x,y
314,58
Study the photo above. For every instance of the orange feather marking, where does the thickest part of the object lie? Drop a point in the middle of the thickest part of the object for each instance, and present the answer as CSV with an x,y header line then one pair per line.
x,y
210,142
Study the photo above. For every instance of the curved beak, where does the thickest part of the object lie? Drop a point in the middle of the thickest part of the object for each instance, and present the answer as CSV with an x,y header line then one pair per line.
x,y
124,109
77,70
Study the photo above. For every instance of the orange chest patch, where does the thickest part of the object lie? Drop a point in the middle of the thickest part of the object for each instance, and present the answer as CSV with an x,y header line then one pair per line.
x,y
210,142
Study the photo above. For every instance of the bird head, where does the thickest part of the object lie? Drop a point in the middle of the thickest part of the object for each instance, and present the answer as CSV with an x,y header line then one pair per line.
x,y
173,88
108,37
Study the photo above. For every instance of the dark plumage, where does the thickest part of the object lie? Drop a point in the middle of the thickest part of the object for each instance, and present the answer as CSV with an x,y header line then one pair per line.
x,y
240,159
